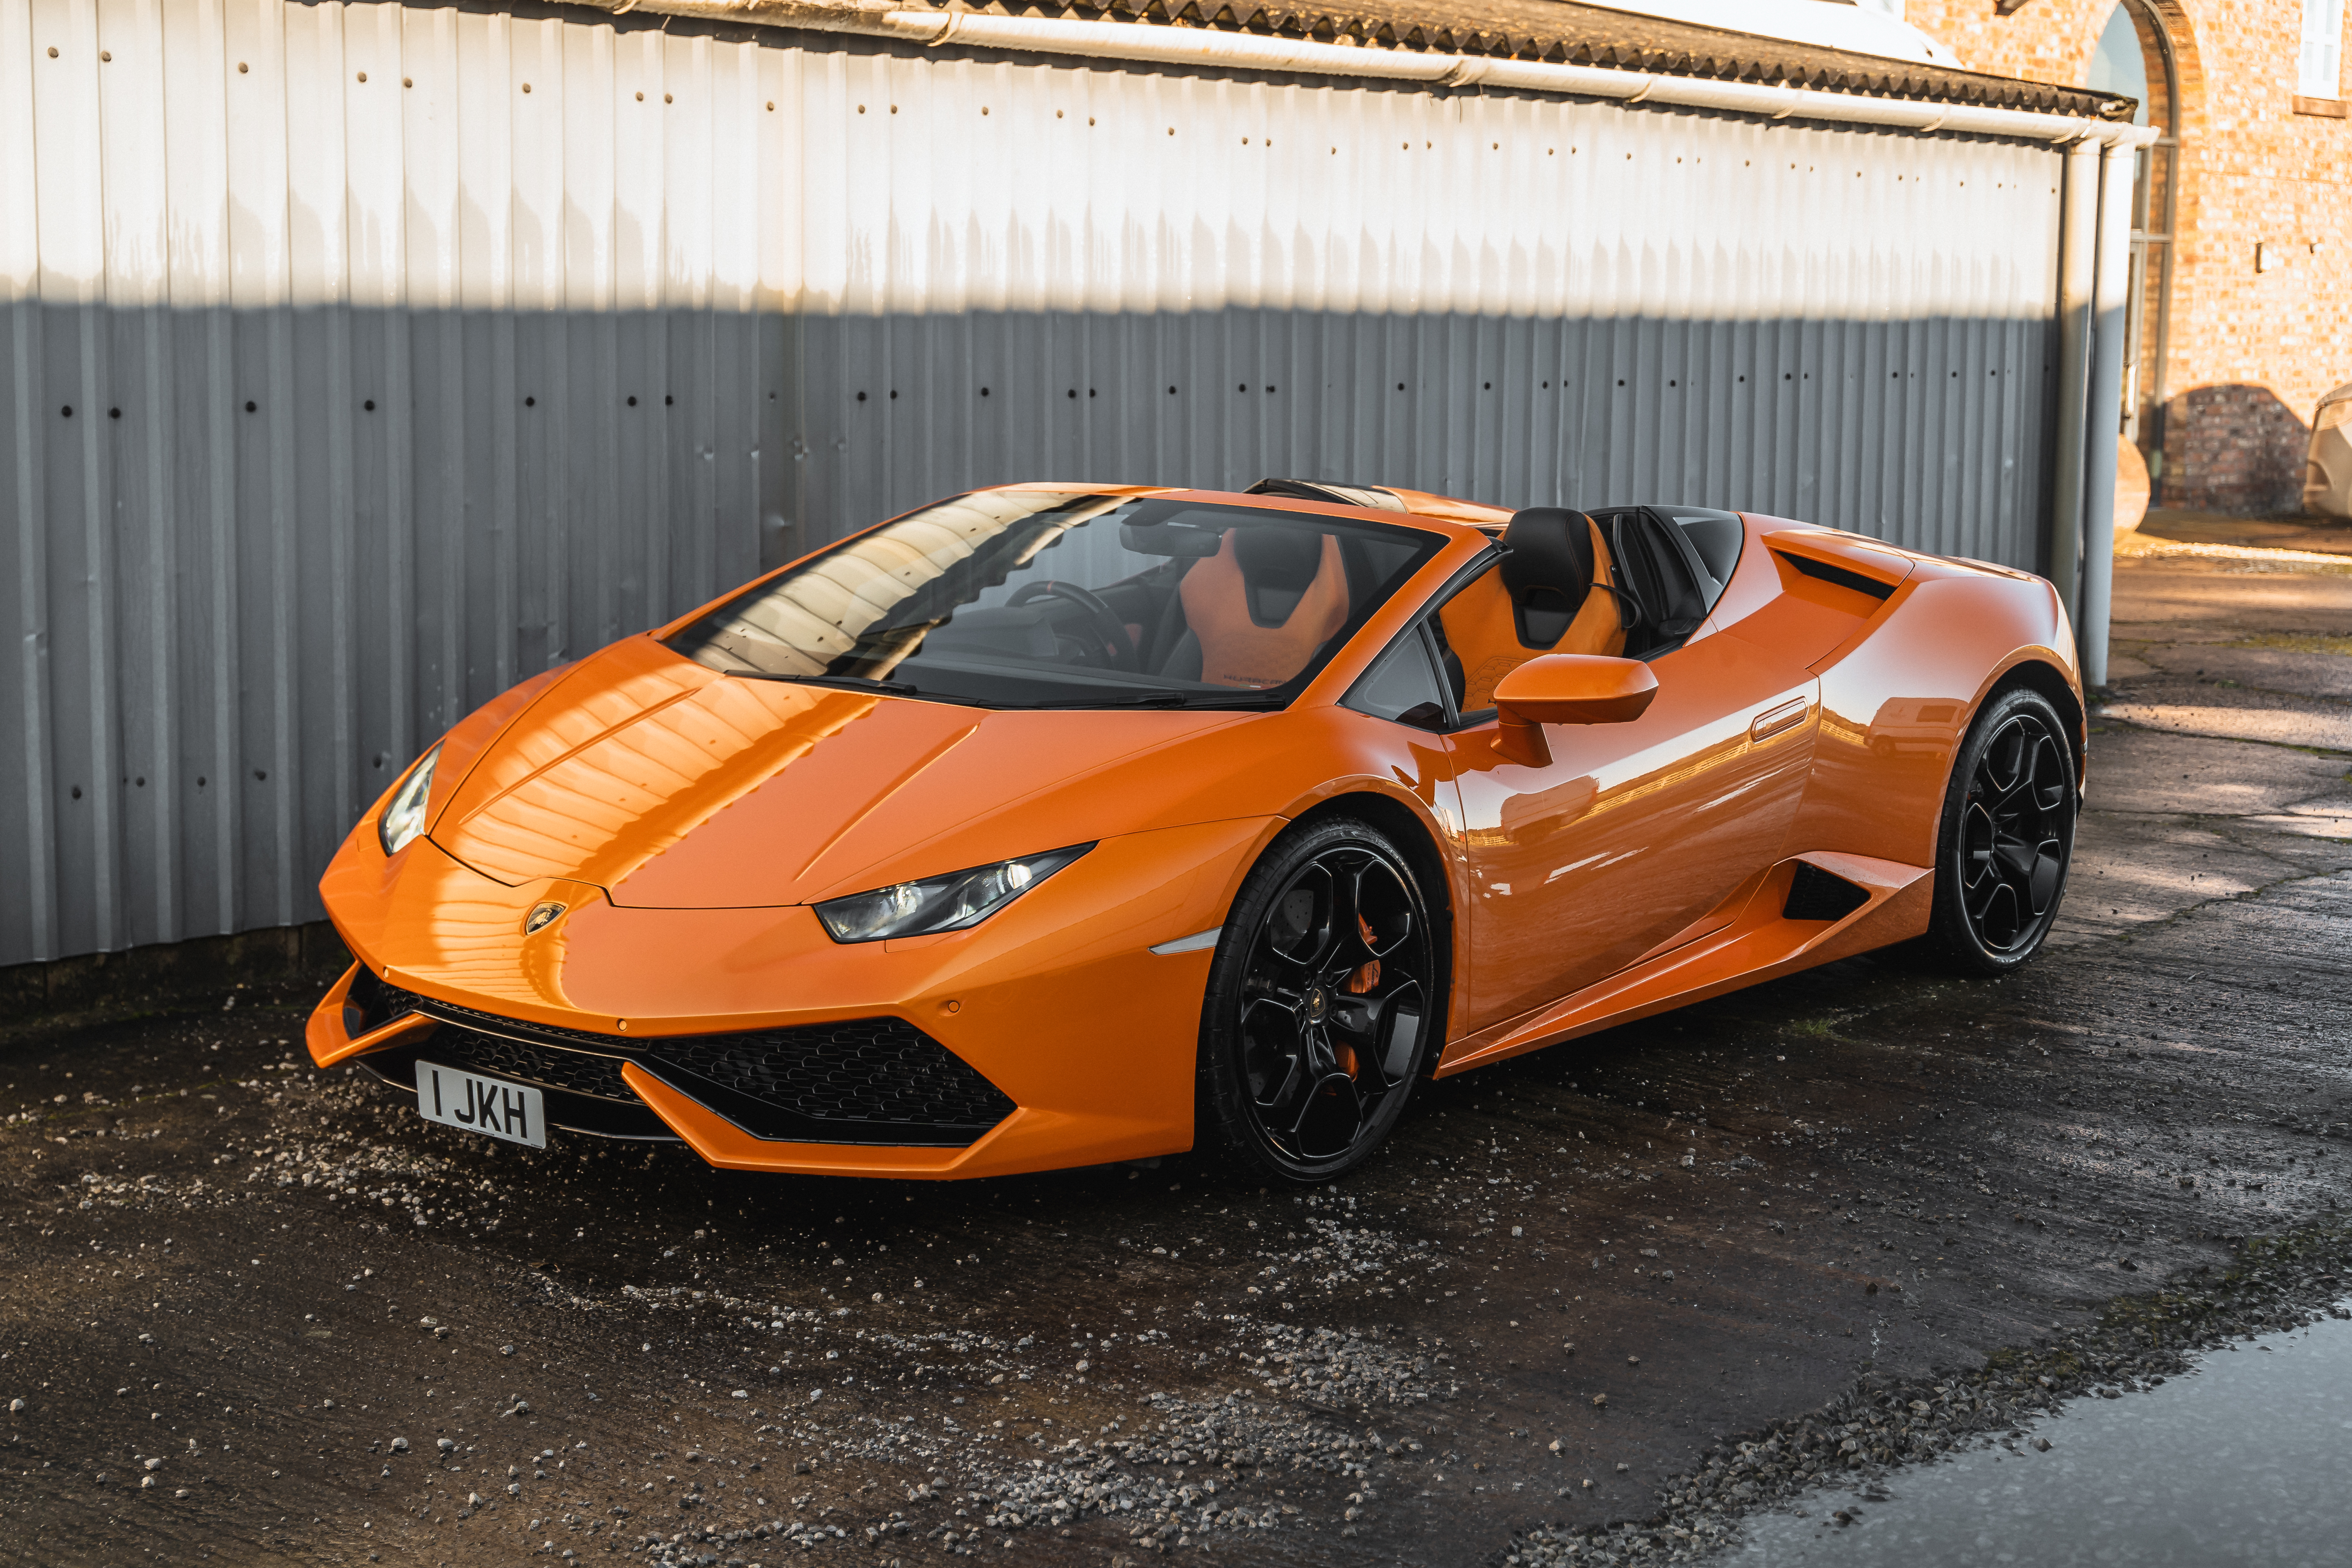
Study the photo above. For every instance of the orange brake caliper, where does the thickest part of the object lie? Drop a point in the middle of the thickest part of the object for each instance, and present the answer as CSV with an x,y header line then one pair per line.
x,y
1367,977
1362,981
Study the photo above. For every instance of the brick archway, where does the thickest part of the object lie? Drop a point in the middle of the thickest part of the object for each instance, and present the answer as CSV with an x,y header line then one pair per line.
x,y
2164,212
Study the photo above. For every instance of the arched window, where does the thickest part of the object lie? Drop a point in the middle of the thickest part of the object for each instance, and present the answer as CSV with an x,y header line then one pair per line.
x,y
2134,58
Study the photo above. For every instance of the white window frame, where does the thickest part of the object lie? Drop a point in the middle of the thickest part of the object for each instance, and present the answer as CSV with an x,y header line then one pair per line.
x,y
2318,67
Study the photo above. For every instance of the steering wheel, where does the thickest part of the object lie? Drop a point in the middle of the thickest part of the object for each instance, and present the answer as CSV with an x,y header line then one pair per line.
x,y
1119,651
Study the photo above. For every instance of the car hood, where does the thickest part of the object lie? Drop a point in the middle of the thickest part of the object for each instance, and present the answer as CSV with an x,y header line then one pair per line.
x,y
672,786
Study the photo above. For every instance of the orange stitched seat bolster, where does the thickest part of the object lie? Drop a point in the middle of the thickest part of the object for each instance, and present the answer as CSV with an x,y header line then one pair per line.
x,y
1483,632
1480,631
1599,626
1235,649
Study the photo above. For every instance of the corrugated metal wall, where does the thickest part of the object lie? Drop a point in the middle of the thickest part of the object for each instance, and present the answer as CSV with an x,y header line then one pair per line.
x,y
1029,268
409,350
357,361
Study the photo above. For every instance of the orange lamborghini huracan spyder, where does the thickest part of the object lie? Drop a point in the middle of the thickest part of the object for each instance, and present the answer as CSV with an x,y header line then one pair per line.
x,y
1059,823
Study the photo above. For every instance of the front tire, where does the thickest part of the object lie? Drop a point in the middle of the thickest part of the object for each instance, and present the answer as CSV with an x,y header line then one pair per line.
x,y
2007,837
1324,1003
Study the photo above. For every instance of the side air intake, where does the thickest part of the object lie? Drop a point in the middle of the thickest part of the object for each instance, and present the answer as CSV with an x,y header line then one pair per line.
x,y
1816,895
1842,576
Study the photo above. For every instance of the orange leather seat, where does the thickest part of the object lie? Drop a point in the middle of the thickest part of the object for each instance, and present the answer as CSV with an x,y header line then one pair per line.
x,y
1482,625
1261,608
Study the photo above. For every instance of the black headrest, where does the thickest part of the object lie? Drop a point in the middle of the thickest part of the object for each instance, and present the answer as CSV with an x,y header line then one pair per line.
x,y
1278,565
1549,571
1280,557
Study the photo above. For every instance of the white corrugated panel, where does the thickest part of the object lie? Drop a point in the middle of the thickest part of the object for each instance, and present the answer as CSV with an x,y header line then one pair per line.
x,y
411,349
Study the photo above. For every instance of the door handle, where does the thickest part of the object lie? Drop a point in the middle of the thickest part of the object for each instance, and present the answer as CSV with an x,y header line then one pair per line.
x,y
1772,720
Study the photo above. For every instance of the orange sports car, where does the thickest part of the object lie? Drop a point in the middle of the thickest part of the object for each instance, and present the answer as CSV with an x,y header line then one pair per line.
x,y
1060,824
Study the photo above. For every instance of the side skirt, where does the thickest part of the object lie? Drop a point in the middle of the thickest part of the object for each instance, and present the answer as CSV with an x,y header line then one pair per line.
x,y
1760,944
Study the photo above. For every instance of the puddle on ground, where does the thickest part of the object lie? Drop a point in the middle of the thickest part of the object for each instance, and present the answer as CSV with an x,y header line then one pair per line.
x,y
2246,1460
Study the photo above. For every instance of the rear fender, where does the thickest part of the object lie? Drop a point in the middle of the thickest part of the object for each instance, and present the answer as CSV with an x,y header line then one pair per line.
x,y
1896,703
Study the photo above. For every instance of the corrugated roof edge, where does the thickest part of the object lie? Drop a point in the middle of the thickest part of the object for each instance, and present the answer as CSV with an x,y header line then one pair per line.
x,y
1546,31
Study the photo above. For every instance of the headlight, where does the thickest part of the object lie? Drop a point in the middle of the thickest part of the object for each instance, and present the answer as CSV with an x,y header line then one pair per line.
x,y
950,902
404,814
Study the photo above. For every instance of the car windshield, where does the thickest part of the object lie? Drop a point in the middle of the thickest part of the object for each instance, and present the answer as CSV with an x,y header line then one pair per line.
x,y
1034,599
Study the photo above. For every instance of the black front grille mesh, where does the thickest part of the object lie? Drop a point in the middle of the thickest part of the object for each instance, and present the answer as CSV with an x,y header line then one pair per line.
x,y
866,1080
868,1071
574,1071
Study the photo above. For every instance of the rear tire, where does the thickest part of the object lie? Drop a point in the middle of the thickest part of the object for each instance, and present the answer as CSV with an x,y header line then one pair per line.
x,y
2007,837
1324,1005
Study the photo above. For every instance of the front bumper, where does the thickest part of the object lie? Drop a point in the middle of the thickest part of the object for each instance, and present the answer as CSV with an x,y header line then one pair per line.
x,y
1048,1037
878,1081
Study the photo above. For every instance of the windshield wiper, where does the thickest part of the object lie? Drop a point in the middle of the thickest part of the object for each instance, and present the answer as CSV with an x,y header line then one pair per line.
x,y
846,682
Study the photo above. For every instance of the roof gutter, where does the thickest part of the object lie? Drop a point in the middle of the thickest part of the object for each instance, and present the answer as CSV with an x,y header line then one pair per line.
x,y
1164,44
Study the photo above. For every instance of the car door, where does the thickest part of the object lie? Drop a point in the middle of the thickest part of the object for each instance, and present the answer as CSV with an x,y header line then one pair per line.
x,y
1635,834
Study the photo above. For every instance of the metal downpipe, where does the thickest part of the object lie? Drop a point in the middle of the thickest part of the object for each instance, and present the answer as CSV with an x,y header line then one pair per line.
x,y
2078,216
2102,428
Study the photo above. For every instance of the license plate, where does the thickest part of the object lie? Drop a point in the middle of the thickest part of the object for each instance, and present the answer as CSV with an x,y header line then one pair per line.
x,y
478,1104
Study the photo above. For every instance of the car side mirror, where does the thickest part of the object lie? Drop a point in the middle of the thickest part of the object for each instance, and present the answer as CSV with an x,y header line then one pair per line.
x,y
1567,689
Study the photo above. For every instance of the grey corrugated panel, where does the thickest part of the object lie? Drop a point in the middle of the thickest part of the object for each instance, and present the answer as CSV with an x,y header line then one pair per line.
x,y
264,616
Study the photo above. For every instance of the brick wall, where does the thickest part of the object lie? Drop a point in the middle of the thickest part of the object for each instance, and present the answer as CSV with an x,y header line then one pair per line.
x,y
2049,40
2250,352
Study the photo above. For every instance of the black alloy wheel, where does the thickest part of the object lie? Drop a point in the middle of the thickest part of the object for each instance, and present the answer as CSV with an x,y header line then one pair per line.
x,y
2008,834
1323,1003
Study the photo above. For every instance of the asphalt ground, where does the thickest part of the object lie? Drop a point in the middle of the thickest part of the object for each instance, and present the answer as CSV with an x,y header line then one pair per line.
x,y
254,1313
